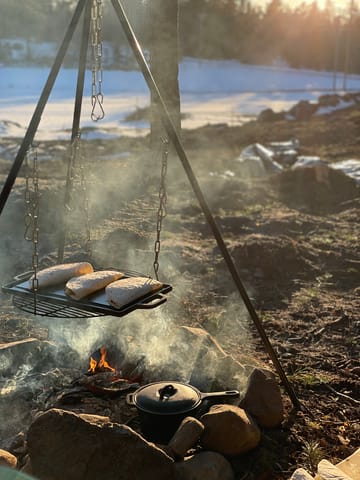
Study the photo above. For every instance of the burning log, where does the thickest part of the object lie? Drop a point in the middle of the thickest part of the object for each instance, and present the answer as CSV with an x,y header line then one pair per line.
x,y
107,384
104,380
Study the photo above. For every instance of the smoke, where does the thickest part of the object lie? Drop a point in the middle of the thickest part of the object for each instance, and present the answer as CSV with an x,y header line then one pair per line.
x,y
123,209
123,203
172,341
165,348
30,370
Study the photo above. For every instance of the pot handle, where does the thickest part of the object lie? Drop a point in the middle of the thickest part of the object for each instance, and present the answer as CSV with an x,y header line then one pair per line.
x,y
130,399
226,393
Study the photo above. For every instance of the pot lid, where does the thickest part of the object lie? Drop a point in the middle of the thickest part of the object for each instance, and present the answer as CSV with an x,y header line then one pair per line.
x,y
166,398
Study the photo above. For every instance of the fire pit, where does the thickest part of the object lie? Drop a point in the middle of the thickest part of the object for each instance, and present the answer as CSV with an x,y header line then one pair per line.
x,y
161,406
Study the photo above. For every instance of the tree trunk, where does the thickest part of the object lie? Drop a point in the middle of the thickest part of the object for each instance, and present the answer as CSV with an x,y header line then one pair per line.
x,y
164,64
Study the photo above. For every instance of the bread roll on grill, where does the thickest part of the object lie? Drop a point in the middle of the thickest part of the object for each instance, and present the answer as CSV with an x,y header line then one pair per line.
x,y
83,286
126,290
57,274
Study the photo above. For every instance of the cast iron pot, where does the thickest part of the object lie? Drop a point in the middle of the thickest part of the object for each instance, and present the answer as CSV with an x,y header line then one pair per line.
x,y
163,405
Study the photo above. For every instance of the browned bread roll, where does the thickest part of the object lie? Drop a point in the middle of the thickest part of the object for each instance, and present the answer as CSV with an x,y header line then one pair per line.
x,y
61,273
126,290
84,285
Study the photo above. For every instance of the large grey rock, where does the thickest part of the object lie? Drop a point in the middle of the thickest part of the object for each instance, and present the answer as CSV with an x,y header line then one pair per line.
x,y
191,356
263,399
204,465
211,368
63,445
195,354
229,374
229,430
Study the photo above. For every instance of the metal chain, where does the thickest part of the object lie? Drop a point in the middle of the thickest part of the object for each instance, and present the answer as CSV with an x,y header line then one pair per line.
x,y
78,178
97,97
74,149
32,204
161,214
27,198
85,202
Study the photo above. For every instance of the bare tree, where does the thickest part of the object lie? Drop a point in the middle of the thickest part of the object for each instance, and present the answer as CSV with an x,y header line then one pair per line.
x,y
164,63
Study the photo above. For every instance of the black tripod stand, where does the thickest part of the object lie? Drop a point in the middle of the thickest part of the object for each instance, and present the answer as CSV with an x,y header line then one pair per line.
x,y
85,5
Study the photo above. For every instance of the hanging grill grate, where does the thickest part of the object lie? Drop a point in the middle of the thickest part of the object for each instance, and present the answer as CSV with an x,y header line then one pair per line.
x,y
53,302
46,308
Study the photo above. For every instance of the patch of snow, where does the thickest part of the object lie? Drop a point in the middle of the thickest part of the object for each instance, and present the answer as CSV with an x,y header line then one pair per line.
x,y
340,106
225,175
349,167
256,160
212,92
304,161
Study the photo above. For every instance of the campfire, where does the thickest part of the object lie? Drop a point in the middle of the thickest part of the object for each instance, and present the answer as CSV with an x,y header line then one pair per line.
x,y
98,362
168,422
156,401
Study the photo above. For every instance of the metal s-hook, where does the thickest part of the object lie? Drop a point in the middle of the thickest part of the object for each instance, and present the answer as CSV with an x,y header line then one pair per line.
x,y
97,112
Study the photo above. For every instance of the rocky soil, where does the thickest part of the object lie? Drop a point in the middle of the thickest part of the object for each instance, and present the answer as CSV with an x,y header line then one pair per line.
x,y
294,238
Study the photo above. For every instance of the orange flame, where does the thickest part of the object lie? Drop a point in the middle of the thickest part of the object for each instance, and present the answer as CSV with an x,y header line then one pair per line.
x,y
101,365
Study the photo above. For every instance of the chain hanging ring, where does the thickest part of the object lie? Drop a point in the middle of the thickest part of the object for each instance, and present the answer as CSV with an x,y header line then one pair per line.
x,y
97,112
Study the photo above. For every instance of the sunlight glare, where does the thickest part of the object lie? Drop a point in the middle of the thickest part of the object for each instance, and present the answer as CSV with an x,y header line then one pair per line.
x,y
339,5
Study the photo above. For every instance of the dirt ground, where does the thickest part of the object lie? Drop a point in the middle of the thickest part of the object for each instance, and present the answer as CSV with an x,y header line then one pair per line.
x,y
293,236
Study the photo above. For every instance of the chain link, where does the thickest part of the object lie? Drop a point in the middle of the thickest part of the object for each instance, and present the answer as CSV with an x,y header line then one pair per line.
x,y
74,149
97,97
78,182
32,205
28,218
85,203
161,214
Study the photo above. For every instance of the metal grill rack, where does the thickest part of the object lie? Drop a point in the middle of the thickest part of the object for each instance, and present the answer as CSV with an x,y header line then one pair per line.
x,y
53,302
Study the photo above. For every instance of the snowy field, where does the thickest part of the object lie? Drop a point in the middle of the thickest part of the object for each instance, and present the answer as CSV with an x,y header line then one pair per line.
x,y
211,92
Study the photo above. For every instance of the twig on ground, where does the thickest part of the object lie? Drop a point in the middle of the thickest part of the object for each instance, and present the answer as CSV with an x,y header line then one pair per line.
x,y
339,394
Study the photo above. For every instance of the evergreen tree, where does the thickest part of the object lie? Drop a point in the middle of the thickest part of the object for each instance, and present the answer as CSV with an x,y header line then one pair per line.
x,y
305,36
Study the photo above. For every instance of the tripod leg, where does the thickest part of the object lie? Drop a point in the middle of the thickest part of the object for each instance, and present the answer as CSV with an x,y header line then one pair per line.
x,y
81,71
35,120
76,119
174,137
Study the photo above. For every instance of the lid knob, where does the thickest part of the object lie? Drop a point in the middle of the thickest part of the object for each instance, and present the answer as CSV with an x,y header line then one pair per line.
x,y
166,392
